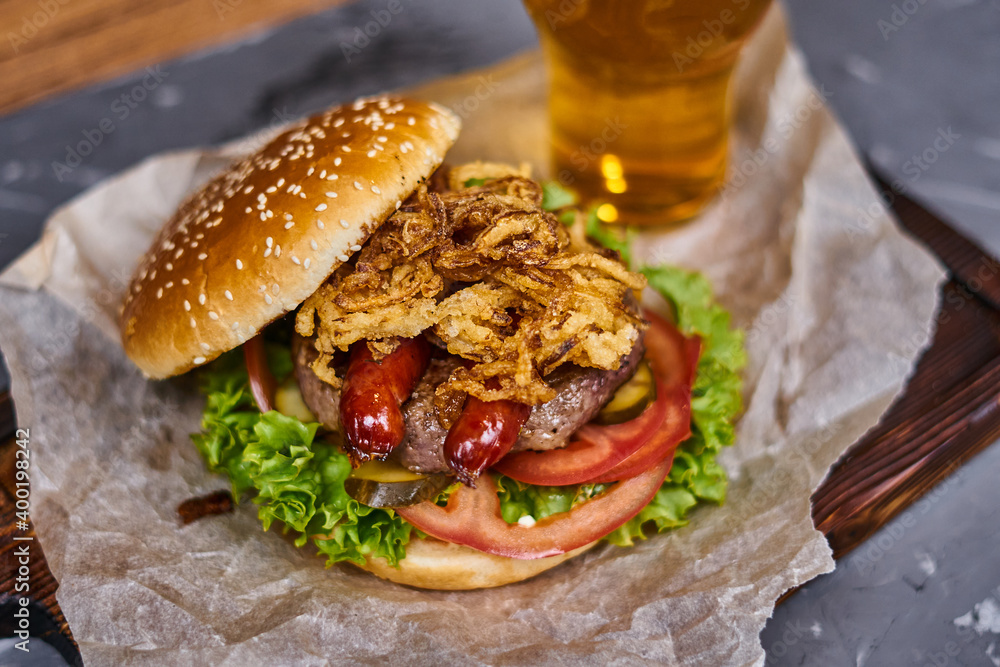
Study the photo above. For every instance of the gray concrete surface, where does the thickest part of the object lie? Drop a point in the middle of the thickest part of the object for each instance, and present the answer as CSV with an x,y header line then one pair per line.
x,y
923,591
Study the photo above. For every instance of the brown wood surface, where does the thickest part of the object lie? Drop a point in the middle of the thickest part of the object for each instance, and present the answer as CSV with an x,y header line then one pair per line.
x,y
51,46
949,412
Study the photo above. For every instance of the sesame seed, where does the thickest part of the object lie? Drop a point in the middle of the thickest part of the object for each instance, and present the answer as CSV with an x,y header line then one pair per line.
x,y
321,207
213,315
229,295
310,172
262,288
249,210
344,224
263,216
271,189
199,360
319,223
346,149
275,288
371,153
398,203
331,194
201,299
169,284
343,258
267,299
239,264
187,305
205,346
289,225
306,263
185,281
382,139
202,256
277,251
336,162
288,216
269,241
355,248
389,126
170,267
332,177
267,252
376,190
313,245
248,189
357,185
236,325
193,323
159,293
322,174
411,121
280,182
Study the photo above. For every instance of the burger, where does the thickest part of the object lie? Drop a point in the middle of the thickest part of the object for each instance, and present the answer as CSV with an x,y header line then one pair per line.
x,y
440,373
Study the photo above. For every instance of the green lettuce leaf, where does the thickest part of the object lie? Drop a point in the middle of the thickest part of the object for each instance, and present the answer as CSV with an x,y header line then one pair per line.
x,y
292,477
716,401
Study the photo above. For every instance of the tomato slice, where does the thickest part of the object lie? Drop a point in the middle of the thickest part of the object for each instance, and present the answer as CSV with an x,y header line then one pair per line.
x,y
472,518
594,451
597,450
262,382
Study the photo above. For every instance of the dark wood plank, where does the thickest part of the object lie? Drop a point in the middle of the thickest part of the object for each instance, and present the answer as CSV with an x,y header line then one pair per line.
x,y
53,46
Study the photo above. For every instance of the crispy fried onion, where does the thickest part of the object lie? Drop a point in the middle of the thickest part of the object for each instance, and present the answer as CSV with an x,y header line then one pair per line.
x,y
496,279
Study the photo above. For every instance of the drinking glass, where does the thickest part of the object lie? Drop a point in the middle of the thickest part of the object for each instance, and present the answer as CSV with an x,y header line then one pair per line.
x,y
639,104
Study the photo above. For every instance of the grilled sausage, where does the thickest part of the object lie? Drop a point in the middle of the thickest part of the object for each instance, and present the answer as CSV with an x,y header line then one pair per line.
x,y
373,392
482,435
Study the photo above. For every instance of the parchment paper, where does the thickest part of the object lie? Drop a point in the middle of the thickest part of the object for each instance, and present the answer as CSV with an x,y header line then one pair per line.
x,y
836,301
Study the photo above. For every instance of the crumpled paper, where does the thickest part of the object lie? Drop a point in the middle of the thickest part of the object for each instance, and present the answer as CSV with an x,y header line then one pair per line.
x,y
837,305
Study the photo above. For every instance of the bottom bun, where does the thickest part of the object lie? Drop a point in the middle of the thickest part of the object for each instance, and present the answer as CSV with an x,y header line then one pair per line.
x,y
443,566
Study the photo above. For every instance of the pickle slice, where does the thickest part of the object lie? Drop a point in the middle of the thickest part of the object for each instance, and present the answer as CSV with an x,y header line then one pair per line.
x,y
631,398
395,494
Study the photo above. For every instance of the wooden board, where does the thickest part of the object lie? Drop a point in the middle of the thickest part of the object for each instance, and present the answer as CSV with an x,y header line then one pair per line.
x,y
53,46
948,413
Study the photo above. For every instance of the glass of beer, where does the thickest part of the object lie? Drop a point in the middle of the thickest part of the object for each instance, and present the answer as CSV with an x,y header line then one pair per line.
x,y
639,103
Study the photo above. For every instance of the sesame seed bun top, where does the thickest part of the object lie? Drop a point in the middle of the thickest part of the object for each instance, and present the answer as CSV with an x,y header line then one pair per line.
x,y
263,235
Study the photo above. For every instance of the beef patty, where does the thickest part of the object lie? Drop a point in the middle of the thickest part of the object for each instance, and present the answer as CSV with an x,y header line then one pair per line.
x,y
581,393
